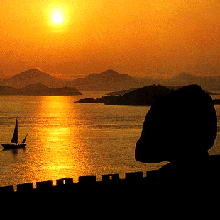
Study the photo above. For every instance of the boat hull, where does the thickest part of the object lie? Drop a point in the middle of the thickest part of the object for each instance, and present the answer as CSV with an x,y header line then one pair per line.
x,y
13,146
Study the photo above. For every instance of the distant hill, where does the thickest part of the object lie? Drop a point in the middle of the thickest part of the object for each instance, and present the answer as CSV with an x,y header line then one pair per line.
x,y
109,80
33,76
210,83
38,90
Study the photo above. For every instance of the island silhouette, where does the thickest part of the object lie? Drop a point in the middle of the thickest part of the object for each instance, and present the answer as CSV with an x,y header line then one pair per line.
x,y
145,96
38,89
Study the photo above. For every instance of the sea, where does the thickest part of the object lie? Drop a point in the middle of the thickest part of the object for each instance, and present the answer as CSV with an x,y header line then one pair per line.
x,y
69,140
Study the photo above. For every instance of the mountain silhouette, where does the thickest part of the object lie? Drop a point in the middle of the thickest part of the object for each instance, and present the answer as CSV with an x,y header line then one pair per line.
x,y
182,79
108,80
111,80
33,76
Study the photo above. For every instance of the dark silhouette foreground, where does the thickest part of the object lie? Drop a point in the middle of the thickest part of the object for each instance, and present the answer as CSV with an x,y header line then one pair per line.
x,y
181,128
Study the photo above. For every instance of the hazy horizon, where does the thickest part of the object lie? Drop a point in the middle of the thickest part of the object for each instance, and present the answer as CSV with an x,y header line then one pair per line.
x,y
141,38
77,76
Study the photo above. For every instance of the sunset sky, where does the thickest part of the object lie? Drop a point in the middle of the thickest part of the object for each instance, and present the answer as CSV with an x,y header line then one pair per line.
x,y
73,38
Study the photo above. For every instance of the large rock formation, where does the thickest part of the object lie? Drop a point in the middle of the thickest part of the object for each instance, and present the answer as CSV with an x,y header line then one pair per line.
x,y
180,126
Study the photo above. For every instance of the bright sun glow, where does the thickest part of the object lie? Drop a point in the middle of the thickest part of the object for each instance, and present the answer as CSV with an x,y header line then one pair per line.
x,y
57,17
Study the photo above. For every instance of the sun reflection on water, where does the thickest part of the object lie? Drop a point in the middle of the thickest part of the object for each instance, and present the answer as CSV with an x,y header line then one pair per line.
x,y
60,140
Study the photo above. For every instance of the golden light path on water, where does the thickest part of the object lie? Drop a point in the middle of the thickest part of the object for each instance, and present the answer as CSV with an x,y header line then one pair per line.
x,y
59,138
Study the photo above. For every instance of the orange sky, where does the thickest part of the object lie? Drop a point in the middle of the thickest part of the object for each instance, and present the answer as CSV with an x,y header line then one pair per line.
x,y
139,37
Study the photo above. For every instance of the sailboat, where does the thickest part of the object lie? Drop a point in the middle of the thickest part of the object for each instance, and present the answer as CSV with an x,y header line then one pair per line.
x,y
14,141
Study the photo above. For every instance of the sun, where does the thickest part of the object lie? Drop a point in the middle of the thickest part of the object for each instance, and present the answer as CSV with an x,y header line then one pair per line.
x,y
57,17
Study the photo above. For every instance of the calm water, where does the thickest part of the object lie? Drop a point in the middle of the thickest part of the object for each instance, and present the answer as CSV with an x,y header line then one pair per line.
x,y
70,140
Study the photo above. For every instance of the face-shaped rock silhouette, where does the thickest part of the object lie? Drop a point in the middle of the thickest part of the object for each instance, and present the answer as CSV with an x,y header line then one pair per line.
x,y
179,126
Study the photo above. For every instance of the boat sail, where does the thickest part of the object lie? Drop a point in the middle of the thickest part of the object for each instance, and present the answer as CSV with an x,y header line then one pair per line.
x,y
24,140
14,141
